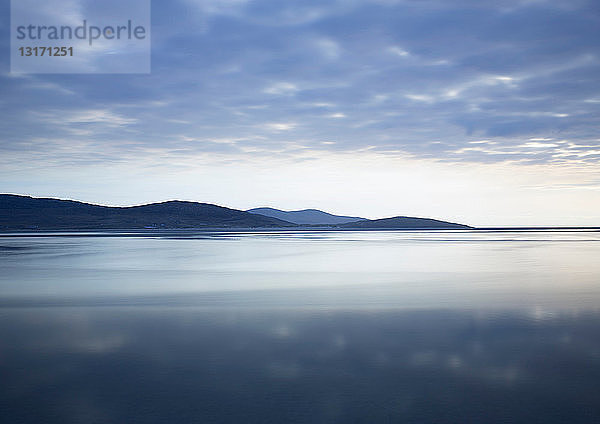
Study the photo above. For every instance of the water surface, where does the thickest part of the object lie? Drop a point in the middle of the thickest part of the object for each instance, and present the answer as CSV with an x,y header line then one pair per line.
x,y
307,327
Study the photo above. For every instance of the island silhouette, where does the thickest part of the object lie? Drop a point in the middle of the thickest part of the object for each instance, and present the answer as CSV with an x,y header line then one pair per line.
x,y
18,212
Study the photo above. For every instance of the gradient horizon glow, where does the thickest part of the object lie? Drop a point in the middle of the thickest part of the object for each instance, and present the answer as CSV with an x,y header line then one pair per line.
x,y
483,113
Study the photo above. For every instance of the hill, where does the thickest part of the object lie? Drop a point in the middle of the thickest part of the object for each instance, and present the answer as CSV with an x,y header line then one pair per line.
x,y
306,216
29,213
24,212
404,222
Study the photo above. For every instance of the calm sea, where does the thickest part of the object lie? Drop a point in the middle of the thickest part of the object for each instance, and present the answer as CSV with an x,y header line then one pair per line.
x,y
300,327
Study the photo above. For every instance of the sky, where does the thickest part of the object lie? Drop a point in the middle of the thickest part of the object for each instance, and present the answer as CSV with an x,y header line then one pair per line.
x,y
479,112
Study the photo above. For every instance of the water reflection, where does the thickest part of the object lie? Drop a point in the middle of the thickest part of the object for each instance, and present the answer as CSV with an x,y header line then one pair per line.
x,y
447,268
156,364
323,327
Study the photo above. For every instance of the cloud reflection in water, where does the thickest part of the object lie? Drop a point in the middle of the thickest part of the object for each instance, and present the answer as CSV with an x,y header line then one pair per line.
x,y
159,364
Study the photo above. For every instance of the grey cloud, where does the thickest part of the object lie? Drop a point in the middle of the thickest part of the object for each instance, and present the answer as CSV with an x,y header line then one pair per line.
x,y
424,78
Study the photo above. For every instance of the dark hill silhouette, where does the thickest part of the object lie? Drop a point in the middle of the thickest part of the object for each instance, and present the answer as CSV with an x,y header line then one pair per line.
x,y
305,216
29,213
404,222
24,212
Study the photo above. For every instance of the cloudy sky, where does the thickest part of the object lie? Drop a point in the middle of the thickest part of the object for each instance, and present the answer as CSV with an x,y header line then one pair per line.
x,y
486,113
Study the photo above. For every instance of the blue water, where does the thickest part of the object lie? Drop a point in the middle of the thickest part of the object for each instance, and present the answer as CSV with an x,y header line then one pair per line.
x,y
300,327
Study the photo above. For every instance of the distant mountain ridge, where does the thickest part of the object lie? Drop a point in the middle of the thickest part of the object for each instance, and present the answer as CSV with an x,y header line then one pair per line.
x,y
24,212
29,213
306,216
405,222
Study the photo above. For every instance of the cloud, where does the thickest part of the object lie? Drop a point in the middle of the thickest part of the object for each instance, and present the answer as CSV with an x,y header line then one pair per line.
x,y
398,51
328,48
282,88
278,126
92,116
426,79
